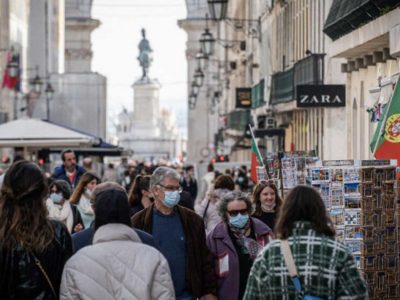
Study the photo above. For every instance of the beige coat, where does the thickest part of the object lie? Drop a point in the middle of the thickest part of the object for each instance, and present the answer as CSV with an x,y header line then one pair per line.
x,y
117,266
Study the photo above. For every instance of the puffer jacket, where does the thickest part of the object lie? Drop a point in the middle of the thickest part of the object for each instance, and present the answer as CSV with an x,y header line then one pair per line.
x,y
117,266
20,277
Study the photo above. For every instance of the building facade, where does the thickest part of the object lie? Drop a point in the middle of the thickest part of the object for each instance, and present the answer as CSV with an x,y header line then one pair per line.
x,y
370,48
77,89
203,117
276,49
49,40
14,45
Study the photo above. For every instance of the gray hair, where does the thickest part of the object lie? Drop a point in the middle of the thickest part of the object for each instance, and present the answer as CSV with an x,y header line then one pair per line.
x,y
160,173
228,198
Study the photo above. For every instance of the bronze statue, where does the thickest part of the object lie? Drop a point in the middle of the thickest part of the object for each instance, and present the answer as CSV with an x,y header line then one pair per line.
x,y
145,57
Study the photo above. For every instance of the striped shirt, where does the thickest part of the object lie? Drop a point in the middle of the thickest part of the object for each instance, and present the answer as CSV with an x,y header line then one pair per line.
x,y
326,267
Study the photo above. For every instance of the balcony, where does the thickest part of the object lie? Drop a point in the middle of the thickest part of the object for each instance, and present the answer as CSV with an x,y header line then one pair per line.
x,y
257,94
309,70
238,120
282,89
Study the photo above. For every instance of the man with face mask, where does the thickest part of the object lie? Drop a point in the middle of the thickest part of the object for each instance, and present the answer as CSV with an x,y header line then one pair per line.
x,y
180,235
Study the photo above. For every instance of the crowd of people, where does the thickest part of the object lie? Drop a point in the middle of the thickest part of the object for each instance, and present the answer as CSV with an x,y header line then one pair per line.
x,y
75,236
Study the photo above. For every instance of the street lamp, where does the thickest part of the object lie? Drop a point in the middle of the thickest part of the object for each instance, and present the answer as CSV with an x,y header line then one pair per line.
x,y
218,9
49,91
12,68
207,40
199,77
192,100
37,83
195,88
201,59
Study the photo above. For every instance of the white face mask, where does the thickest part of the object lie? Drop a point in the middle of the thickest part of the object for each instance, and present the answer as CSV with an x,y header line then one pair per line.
x,y
268,207
88,192
171,199
56,197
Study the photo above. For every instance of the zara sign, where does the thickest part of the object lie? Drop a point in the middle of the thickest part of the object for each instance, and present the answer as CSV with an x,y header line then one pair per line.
x,y
327,95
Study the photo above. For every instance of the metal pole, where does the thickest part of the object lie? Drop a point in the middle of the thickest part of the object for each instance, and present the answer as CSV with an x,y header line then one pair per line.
x,y
46,54
15,104
47,108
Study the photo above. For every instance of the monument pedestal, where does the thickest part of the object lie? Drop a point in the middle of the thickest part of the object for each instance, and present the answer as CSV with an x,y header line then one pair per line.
x,y
146,108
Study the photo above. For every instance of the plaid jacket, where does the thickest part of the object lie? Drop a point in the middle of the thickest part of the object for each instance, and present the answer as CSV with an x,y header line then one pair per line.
x,y
326,268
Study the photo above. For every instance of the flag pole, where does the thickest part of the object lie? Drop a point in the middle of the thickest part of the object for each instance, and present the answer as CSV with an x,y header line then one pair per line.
x,y
258,150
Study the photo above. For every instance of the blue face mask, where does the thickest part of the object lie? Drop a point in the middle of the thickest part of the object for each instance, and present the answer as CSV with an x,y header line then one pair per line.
x,y
239,221
56,197
171,199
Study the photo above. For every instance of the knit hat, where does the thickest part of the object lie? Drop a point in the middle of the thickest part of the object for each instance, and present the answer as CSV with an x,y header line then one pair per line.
x,y
111,206
63,187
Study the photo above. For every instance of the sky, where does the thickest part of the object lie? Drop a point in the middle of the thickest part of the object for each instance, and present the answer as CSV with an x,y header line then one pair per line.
x,y
115,51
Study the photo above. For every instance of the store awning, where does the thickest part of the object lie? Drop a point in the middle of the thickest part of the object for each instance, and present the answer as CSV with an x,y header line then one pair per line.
x,y
345,16
35,133
102,149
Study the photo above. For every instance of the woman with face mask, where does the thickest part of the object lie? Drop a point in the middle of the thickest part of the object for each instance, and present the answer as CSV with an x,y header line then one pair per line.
x,y
267,203
82,194
60,209
235,243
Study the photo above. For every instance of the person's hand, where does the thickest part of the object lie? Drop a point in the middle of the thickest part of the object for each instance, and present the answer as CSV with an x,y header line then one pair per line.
x,y
78,227
210,297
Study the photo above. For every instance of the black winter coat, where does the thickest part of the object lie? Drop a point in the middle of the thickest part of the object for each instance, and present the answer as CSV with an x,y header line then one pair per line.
x,y
20,277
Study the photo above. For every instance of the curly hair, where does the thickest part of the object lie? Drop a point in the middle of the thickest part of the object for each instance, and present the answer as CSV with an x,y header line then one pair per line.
x,y
232,196
256,197
303,203
23,213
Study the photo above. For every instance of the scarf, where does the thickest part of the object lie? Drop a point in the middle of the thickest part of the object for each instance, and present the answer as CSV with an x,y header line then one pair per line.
x,y
268,207
85,206
62,213
247,245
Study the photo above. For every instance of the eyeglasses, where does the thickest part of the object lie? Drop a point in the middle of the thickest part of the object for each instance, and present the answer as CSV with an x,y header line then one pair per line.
x,y
267,181
171,188
233,213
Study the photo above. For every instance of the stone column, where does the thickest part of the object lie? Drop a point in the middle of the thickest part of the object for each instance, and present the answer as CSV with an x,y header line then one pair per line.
x,y
146,108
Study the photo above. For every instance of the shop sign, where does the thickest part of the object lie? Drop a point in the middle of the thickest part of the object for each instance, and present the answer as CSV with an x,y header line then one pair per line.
x,y
243,97
327,95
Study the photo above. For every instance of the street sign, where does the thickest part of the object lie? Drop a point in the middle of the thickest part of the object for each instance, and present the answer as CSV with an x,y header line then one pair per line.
x,y
243,97
327,95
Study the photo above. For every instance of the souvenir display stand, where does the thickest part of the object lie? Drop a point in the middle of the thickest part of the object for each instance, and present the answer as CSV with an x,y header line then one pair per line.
x,y
361,197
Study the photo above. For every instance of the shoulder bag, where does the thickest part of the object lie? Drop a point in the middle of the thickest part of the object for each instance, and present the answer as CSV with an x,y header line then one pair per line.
x,y
37,262
287,254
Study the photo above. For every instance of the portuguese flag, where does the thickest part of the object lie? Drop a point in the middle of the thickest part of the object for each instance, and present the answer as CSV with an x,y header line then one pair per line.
x,y
386,141
256,158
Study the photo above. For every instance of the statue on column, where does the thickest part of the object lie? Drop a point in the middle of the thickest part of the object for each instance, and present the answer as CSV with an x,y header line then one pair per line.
x,y
145,57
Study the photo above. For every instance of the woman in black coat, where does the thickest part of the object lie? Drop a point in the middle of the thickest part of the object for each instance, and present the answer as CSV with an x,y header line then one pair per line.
x,y
33,249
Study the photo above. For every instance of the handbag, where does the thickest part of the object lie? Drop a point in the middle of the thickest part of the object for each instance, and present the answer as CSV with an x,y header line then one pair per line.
x,y
287,254
37,262
205,210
